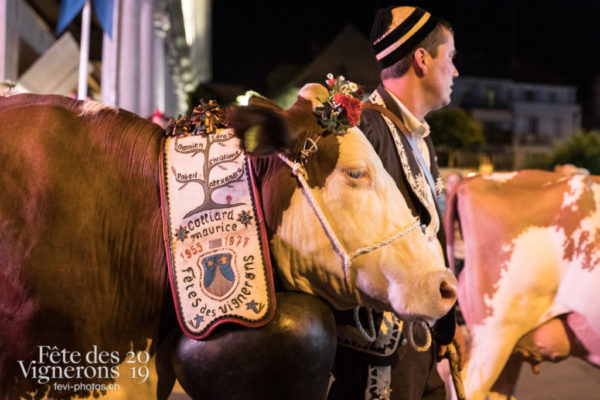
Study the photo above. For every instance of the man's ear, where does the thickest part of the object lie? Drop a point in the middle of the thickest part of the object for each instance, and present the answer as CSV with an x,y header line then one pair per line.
x,y
420,61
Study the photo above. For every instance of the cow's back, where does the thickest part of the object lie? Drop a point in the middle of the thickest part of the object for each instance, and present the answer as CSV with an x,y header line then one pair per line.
x,y
81,262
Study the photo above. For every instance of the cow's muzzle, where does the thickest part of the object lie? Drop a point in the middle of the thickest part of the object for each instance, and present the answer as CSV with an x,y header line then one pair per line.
x,y
447,289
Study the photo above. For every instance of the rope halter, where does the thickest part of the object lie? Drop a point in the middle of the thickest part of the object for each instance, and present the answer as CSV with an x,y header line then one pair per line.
x,y
301,175
299,171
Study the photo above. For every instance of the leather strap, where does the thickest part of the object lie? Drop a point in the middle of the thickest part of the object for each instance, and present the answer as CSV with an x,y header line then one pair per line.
x,y
393,117
417,153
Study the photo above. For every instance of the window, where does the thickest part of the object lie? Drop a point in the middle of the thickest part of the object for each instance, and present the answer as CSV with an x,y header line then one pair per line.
x,y
491,97
558,127
529,95
533,126
576,120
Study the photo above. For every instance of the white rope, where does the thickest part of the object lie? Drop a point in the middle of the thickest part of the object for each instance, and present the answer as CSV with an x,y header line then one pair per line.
x,y
307,151
300,173
298,170
375,246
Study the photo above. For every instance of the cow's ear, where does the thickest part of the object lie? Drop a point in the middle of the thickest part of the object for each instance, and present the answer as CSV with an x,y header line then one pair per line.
x,y
261,129
264,102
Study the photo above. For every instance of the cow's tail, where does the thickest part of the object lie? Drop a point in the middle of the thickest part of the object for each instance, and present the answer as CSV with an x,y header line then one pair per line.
x,y
450,219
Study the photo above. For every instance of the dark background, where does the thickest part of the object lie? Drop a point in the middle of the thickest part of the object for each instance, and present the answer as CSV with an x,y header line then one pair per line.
x,y
253,42
535,41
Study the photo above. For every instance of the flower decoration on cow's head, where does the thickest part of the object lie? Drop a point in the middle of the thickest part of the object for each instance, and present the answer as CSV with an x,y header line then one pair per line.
x,y
206,118
340,111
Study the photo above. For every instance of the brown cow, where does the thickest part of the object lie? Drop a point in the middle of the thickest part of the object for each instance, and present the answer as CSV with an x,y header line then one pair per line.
x,y
85,306
83,273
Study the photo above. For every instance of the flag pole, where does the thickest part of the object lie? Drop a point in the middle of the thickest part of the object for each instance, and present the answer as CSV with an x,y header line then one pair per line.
x,y
84,50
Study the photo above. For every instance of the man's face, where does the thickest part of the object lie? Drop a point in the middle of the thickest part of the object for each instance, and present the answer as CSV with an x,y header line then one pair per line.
x,y
440,73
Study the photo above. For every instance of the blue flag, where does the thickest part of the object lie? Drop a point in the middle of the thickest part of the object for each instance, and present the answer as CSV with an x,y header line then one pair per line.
x,y
104,12
70,8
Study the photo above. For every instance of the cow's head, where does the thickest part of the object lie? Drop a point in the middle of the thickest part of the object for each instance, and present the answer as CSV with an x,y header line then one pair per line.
x,y
360,202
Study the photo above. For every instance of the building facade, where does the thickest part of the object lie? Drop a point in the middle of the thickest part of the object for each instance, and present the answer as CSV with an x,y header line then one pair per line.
x,y
520,118
157,52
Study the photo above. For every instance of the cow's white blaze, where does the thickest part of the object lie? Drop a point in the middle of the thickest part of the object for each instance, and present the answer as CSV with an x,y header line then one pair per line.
x,y
364,206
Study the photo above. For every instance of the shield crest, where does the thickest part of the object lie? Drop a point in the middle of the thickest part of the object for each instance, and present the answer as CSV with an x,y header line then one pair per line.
x,y
218,276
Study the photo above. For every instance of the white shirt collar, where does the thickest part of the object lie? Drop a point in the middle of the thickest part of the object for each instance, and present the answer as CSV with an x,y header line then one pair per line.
x,y
418,130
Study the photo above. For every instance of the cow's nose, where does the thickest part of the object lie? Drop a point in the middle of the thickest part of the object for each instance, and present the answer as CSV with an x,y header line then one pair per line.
x,y
448,290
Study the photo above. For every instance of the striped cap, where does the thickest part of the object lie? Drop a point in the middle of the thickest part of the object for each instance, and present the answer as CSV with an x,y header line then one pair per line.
x,y
409,26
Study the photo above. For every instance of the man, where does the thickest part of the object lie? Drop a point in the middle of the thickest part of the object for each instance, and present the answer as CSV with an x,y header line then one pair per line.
x,y
415,50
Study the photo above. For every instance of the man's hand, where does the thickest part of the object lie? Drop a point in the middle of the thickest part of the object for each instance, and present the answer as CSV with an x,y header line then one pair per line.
x,y
461,348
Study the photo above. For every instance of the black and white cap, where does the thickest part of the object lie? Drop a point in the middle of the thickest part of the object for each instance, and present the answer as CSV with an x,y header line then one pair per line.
x,y
408,27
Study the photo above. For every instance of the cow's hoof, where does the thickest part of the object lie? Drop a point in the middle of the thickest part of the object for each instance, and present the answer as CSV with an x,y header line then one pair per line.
x,y
289,358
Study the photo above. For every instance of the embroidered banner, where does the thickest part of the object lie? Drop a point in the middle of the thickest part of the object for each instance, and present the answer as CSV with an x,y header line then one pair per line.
x,y
217,249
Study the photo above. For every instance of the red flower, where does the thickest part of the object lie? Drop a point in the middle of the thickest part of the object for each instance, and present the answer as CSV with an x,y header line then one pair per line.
x,y
351,106
331,82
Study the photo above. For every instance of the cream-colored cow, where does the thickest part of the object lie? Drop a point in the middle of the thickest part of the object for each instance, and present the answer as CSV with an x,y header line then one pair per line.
x,y
366,248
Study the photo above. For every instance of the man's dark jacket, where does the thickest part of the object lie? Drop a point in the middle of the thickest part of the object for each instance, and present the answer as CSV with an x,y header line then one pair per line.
x,y
378,133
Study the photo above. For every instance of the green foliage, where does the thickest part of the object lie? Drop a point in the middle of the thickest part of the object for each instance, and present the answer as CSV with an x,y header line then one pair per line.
x,y
454,129
581,150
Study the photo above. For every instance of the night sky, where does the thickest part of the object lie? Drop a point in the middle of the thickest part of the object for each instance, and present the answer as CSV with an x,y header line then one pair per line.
x,y
553,41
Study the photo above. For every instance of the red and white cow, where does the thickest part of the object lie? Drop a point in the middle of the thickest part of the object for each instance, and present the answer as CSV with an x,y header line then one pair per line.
x,y
532,272
362,207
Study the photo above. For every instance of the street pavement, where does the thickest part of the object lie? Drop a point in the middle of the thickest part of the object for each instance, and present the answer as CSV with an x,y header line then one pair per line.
x,y
571,379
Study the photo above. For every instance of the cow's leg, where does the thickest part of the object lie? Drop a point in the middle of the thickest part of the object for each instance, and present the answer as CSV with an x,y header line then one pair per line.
x,y
505,385
491,349
443,368
289,358
548,342
521,296
585,341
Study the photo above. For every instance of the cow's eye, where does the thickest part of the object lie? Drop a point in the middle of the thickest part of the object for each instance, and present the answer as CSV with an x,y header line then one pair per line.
x,y
355,173
356,176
